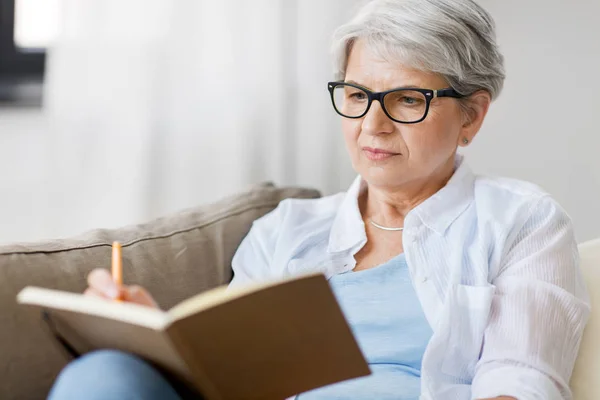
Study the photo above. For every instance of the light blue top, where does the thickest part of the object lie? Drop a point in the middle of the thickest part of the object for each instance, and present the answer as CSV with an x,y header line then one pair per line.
x,y
387,320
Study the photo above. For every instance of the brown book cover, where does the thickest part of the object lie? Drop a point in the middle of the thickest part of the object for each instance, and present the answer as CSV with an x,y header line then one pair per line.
x,y
266,342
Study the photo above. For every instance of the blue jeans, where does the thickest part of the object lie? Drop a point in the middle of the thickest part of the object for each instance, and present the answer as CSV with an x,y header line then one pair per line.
x,y
111,374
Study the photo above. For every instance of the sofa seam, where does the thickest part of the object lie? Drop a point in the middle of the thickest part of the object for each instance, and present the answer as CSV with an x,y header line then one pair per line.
x,y
224,215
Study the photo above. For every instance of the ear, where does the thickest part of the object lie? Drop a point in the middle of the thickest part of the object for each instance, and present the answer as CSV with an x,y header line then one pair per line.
x,y
476,109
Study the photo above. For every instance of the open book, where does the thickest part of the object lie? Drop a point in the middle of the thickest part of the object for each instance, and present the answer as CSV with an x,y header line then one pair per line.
x,y
267,341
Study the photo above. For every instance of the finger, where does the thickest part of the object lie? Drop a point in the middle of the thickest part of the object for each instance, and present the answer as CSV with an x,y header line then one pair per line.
x,y
139,295
101,281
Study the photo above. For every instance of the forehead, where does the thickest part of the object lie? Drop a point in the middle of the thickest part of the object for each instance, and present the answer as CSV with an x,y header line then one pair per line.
x,y
372,71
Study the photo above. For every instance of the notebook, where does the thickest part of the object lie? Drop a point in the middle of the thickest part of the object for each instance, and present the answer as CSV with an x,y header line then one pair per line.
x,y
267,341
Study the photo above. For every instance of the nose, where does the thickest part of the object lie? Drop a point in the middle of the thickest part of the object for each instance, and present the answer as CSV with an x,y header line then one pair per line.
x,y
375,122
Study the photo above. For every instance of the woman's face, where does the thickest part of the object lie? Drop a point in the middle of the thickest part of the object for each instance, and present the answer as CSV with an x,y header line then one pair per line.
x,y
391,155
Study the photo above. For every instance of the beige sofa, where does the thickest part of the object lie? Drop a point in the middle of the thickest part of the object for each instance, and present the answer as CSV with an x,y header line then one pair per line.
x,y
174,257
584,382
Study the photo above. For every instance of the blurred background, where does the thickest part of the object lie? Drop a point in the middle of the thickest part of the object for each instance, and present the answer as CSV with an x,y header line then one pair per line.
x,y
113,112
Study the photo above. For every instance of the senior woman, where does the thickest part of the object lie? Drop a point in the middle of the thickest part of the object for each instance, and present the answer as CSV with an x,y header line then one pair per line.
x,y
457,286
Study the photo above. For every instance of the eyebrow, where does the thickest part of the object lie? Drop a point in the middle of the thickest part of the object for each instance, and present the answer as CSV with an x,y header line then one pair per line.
x,y
413,86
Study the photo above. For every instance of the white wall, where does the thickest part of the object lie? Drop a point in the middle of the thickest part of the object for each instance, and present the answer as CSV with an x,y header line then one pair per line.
x,y
544,127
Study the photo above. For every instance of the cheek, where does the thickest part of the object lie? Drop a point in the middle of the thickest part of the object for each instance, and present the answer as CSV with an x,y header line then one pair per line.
x,y
351,130
437,134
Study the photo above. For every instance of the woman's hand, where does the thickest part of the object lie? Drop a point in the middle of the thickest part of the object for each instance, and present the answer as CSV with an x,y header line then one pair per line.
x,y
102,285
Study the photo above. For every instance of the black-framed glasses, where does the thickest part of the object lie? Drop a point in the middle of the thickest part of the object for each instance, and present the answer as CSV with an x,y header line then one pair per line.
x,y
403,105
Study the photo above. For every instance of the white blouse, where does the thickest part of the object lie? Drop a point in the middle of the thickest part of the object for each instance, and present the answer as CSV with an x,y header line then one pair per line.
x,y
495,266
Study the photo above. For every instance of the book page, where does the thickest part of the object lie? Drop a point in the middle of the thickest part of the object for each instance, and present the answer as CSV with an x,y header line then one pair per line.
x,y
220,295
74,302
88,323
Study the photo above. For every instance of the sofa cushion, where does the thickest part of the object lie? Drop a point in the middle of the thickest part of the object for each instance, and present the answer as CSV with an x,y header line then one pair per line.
x,y
174,257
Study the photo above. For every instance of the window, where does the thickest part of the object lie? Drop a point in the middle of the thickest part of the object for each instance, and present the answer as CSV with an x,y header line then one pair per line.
x,y
27,28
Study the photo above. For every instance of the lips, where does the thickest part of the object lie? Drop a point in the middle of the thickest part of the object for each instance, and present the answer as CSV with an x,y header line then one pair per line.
x,y
376,154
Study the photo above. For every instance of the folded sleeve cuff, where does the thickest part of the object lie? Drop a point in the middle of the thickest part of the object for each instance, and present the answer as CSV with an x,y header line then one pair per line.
x,y
519,382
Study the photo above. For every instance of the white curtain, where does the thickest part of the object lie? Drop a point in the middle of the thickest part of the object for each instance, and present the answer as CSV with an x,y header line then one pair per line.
x,y
157,105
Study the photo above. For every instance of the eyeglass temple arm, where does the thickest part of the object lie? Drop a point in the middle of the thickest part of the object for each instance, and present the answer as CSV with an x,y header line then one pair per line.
x,y
447,93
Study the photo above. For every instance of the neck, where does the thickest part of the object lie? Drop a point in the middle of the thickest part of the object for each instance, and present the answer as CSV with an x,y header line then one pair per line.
x,y
388,206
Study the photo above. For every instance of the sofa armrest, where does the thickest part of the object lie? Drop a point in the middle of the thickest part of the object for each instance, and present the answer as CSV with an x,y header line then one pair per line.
x,y
174,257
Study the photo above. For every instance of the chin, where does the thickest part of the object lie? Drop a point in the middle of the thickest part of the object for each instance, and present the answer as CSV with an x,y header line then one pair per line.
x,y
382,176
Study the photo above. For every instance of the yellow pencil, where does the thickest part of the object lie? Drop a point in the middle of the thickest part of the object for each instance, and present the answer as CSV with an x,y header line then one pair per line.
x,y
117,265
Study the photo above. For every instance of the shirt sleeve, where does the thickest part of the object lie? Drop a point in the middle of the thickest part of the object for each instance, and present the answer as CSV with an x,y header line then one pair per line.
x,y
538,314
252,260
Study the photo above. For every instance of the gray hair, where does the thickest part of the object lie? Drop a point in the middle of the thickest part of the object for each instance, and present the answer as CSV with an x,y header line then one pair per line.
x,y
454,38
